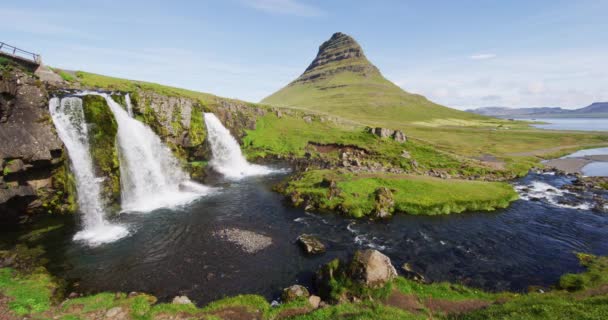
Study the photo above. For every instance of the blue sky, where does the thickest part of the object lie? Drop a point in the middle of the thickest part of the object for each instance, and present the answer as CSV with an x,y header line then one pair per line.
x,y
458,53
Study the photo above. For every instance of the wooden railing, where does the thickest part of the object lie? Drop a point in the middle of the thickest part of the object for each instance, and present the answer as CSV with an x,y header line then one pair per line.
x,y
18,53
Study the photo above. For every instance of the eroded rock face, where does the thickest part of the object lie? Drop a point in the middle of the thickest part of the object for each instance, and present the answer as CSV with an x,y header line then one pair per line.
x,y
30,150
371,268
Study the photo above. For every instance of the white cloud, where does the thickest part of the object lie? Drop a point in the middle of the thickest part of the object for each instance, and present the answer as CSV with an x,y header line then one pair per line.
x,y
482,56
286,7
571,78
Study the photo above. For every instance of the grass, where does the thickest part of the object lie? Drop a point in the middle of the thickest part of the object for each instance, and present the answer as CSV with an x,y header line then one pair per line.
x,y
412,194
30,294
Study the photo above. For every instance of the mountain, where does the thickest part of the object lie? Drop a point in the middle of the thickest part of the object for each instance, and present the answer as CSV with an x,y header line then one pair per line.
x,y
343,82
504,111
595,110
596,107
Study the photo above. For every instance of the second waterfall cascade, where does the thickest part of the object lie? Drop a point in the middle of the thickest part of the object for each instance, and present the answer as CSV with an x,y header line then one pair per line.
x,y
227,156
150,176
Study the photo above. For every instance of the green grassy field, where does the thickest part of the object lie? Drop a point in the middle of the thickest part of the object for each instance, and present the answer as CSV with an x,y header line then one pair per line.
x,y
411,194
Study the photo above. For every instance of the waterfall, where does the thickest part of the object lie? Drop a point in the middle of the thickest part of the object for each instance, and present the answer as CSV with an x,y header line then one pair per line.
x,y
150,176
129,105
68,117
227,156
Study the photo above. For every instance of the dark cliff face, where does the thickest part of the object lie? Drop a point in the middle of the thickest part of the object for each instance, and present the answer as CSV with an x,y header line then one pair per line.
x,y
340,53
30,151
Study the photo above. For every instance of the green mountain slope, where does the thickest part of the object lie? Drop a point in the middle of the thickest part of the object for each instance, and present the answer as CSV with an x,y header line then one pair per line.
x,y
341,81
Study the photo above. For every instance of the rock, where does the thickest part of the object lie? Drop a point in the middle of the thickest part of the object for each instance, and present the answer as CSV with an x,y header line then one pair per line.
x,y
307,119
294,292
371,268
384,203
405,154
382,132
399,136
73,295
314,301
279,114
310,244
181,300
411,274
115,313
14,166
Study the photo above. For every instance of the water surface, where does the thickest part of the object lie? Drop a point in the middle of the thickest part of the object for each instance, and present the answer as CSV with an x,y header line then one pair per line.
x,y
583,124
173,252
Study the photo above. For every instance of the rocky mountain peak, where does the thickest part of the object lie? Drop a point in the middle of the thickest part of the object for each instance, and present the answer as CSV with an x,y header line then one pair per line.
x,y
338,54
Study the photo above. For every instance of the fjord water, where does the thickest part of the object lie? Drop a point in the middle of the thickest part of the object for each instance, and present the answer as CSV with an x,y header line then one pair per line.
x,y
174,251
68,117
150,176
582,124
227,157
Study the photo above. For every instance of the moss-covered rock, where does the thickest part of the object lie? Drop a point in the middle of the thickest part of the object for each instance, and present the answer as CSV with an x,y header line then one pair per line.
x,y
102,141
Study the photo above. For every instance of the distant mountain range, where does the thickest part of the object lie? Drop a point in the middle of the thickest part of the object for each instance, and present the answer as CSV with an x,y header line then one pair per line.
x,y
595,110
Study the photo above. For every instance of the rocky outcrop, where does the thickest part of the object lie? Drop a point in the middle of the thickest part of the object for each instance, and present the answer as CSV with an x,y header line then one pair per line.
x,y
30,152
179,121
396,135
338,54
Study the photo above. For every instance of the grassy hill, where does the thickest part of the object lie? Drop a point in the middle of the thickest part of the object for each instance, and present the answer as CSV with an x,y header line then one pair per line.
x,y
341,81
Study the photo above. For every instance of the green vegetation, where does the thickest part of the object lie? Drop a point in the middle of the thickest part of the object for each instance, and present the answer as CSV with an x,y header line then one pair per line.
x,y
348,85
102,138
110,83
61,197
66,76
32,292
354,194
197,131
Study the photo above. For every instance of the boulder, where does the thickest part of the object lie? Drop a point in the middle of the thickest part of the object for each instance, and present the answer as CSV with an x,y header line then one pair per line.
x,y
181,300
382,132
384,203
314,301
307,119
371,268
294,292
399,136
310,244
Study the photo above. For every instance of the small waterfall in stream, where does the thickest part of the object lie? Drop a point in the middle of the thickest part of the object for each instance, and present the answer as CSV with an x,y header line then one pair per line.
x,y
227,156
150,176
68,117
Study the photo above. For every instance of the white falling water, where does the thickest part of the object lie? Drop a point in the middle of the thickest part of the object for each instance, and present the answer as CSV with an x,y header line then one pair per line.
x,y
150,176
68,117
129,105
227,156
